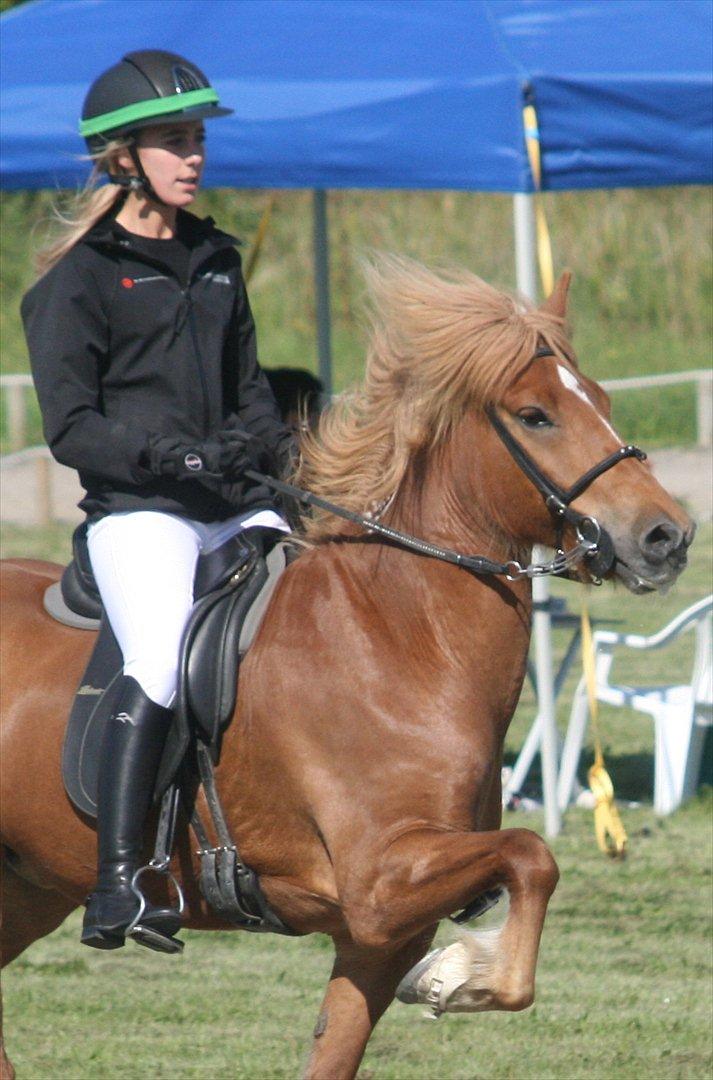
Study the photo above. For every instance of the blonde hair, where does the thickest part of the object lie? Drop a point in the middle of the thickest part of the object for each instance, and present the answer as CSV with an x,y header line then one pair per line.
x,y
440,343
84,209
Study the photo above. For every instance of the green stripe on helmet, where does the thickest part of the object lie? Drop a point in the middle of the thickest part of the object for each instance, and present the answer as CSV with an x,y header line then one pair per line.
x,y
142,110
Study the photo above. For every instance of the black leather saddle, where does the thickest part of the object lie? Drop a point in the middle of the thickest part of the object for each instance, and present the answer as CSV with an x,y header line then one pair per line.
x,y
233,586
78,589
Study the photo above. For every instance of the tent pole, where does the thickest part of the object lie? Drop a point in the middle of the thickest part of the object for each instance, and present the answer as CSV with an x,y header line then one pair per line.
x,y
321,288
525,264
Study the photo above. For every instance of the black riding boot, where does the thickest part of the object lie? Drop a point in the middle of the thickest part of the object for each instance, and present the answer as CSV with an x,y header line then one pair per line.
x,y
131,753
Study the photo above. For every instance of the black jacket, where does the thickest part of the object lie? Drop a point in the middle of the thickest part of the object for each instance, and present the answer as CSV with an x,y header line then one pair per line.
x,y
121,350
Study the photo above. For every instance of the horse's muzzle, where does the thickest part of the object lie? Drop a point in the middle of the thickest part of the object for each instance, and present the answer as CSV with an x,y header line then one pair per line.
x,y
656,559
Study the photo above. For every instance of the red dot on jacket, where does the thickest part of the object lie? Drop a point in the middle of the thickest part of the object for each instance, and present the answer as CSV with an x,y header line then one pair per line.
x,y
127,282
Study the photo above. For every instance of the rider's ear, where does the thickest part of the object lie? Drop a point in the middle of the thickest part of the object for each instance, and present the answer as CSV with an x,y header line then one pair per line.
x,y
556,303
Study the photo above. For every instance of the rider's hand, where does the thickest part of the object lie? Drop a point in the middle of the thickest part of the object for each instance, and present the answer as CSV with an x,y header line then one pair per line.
x,y
224,457
246,451
239,451
168,456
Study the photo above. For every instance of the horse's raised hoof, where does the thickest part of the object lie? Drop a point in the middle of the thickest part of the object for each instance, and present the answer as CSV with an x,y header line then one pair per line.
x,y
454,978
433,979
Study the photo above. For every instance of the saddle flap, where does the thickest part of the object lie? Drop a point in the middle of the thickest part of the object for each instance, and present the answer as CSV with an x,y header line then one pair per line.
x,y
92,707
220,629
210,656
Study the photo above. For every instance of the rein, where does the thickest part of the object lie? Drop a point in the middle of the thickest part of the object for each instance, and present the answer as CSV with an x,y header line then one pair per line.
x,y
478,564
593,542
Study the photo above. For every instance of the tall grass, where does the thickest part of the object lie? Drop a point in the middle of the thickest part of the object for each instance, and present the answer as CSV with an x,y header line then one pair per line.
x,y
640,295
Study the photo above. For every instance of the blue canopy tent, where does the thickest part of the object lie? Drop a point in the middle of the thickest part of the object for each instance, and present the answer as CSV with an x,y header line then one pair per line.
x,y
386,93
390,94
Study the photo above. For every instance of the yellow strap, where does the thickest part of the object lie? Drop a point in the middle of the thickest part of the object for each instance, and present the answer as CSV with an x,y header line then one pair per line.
x,y
608,828
259,237
544,244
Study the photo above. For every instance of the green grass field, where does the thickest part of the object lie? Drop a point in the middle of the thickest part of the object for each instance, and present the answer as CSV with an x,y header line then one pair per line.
x,y
624,987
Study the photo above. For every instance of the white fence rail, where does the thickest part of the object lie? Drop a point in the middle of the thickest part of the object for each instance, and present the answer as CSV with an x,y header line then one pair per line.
x,y
14,388
702,377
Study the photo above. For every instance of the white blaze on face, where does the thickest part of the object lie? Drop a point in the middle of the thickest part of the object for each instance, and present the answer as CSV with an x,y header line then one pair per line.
x,y
571,382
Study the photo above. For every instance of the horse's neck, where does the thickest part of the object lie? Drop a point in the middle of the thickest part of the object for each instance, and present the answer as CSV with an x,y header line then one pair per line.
x,y
465,613
430,506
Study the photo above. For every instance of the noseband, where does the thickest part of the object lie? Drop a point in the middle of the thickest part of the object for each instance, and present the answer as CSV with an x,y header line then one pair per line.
x,y
593,542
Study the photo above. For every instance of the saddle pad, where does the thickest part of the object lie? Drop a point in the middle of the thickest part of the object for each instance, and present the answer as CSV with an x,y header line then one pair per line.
x,y
276,562
56,606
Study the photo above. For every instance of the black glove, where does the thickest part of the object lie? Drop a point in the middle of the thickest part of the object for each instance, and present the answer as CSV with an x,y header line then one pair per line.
x,y
239,450
168,456
225,456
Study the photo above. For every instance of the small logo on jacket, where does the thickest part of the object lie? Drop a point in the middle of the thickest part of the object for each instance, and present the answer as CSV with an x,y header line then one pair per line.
x,y
216,279
129,282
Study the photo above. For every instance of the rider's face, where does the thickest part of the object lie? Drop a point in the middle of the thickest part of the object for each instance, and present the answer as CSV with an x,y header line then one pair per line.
x,y
173,156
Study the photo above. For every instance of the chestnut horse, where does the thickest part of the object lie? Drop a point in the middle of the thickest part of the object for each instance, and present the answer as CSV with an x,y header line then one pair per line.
x,y
361,774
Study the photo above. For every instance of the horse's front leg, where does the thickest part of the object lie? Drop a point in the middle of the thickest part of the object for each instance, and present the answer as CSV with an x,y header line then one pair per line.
x,y
425,875
361,988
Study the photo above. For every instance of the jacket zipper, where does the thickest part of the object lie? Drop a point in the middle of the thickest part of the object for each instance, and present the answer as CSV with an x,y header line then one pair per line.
x,y
199,359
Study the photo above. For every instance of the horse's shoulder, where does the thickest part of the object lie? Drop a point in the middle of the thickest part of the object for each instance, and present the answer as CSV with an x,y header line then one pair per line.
x,y
311,564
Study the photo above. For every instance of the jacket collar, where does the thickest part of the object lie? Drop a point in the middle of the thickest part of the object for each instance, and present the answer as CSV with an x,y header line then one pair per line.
x,y
201,234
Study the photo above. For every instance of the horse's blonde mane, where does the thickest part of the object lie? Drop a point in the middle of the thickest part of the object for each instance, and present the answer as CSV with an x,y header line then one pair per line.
x,y
440,343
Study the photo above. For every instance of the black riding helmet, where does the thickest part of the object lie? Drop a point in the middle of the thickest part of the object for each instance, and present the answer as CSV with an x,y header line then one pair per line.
x,y
145,88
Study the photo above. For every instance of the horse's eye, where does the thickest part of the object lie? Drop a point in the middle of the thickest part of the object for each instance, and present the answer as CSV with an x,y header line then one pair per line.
x,y
533,417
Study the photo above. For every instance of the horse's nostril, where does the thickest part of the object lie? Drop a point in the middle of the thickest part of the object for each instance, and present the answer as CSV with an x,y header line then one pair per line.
x,y
661,541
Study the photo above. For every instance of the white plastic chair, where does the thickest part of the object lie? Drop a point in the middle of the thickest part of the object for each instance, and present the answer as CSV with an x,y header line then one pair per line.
x,y
680,713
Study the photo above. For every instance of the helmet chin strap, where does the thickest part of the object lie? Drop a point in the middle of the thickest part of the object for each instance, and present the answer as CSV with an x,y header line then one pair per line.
x,y
137,183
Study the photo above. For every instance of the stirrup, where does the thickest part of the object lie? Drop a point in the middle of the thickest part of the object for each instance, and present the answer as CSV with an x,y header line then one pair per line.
x,y
146,935
153,939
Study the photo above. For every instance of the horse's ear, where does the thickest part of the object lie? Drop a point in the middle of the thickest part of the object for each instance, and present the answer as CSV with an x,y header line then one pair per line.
x,y
556,303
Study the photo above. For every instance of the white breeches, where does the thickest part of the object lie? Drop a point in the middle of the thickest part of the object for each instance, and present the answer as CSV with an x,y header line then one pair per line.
x,y
144,563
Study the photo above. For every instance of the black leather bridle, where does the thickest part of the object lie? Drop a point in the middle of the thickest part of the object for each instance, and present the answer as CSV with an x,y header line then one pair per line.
x,y
558,500
593,542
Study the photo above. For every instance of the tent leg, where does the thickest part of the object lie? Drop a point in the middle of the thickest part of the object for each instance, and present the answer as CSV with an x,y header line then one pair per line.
x,y
524,222
321,288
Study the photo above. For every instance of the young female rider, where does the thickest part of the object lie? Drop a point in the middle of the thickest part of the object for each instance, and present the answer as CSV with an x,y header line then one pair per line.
x,y
142,347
